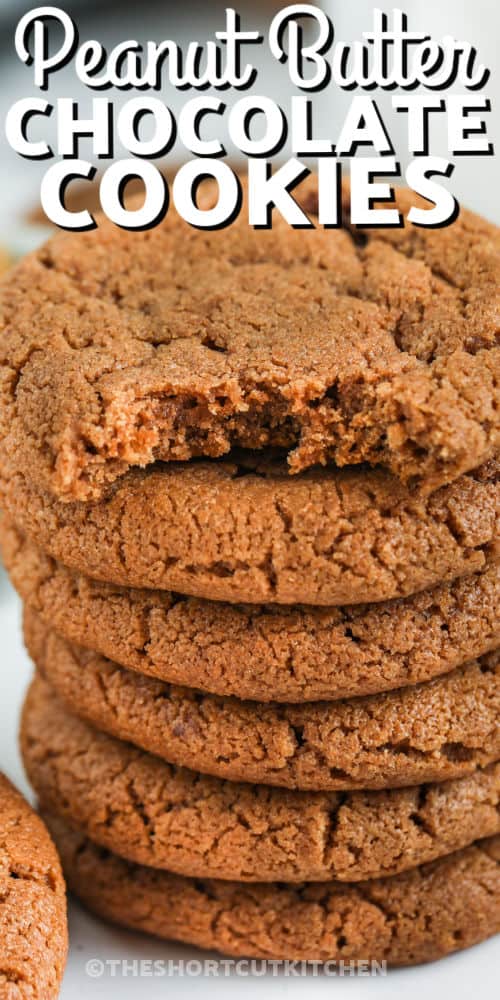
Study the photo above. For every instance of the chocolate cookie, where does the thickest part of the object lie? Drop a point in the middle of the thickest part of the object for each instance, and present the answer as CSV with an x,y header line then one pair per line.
x,y
419,916
157,814
266,653
33,928
243,531
432,732
119,349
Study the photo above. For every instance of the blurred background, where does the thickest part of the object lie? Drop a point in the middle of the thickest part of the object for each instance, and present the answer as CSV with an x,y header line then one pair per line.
x,y
475,179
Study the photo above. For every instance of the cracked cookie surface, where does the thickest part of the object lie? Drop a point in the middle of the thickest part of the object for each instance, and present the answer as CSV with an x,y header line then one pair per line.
x,y
444,729
161,815
264,653
121,349
246,531
415,917
33,928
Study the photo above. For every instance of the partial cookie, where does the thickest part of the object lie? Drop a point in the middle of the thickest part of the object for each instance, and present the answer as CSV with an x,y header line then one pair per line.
x,y
243,531
33,926
5,260
266,653
157,814
121,349
416,917
432,732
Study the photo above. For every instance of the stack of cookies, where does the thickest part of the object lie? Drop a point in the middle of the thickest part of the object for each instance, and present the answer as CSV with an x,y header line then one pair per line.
x,y
250,500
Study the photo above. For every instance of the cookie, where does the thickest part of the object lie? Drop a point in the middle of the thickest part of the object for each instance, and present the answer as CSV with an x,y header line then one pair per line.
x,y
265,653
33,926
157,814
123,348
5,260
243,531
419,916
432,732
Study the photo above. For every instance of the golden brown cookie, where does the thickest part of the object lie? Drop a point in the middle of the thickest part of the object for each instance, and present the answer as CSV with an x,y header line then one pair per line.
x,y
266,653
444,729
246,531
121,348
33,926
415,917
157,814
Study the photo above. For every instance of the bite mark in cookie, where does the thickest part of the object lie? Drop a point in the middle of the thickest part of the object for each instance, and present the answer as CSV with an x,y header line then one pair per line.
x,y
121,349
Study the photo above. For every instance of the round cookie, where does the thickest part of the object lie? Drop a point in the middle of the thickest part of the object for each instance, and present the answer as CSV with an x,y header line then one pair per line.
x,y
121,349
33,926
399,920
246,531
157,814
265,653
432,732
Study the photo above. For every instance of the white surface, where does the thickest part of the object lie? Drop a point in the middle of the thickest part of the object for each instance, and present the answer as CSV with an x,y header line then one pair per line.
x,y
460,976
